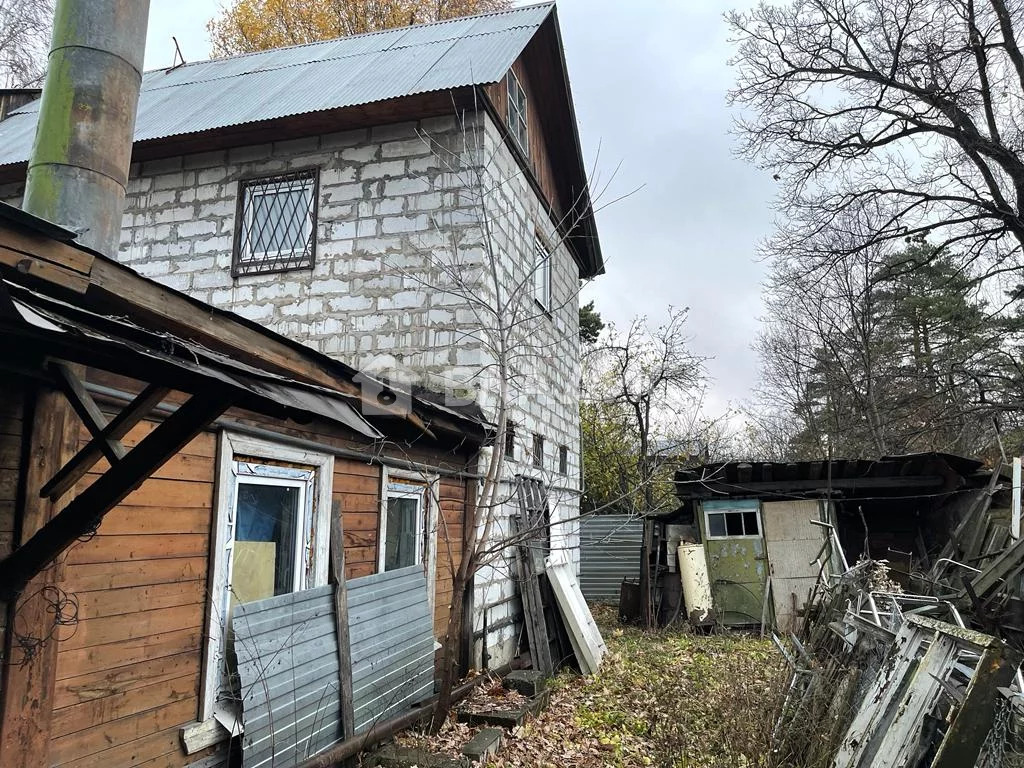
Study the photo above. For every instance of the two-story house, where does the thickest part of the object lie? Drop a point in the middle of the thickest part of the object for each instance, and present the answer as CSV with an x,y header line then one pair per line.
x,y
412,202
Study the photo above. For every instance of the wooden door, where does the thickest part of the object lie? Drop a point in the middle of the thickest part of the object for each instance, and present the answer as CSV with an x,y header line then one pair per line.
x,y
793,543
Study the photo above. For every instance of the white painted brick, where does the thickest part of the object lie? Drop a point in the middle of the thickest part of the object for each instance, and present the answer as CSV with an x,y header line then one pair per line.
x,y
196,228
382,170
409,185
395,224
303,307
256,312
360,154
212,279
350,304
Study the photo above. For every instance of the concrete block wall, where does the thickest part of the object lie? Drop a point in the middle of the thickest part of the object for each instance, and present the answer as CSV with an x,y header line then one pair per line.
x,y
406,217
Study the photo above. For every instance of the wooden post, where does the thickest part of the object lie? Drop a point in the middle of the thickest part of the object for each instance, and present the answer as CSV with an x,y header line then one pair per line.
x,y
646,593
337,577
27,690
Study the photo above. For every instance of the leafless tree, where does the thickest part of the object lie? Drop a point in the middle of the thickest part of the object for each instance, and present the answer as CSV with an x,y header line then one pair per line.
x,y
25,27
908,108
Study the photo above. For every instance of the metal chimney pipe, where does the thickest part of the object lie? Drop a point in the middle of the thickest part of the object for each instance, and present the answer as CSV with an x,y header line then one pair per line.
x,y
83,145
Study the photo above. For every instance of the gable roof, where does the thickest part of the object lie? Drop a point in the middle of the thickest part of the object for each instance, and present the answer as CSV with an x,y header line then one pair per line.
x,y
301,79
351,72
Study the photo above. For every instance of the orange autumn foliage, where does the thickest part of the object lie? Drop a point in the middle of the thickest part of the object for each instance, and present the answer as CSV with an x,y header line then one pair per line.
x,y
244,26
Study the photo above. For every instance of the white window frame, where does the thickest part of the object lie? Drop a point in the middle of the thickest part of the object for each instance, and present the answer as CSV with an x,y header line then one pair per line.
x,y
518,122
315,472
541,273
426,539
732,511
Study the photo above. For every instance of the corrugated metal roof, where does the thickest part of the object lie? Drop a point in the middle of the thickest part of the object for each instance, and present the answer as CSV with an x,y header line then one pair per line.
x,y
309,78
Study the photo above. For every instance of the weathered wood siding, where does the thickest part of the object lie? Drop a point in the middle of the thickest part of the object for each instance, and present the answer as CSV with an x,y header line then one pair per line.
x,y
12,405
128,673
392,644
287,649
540,152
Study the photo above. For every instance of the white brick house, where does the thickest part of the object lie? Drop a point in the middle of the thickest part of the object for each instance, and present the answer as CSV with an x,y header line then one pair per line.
x,y
344,193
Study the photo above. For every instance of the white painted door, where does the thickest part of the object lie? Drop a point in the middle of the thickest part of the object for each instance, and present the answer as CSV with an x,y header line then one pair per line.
x,y
793,543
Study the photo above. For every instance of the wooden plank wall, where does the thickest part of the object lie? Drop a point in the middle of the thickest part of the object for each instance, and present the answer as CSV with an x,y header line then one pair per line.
x,y
128,674
12,405
540,153
452,502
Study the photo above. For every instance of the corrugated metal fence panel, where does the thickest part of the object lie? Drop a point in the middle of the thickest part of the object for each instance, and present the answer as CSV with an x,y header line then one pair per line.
x,y
609,552
287,650
392,641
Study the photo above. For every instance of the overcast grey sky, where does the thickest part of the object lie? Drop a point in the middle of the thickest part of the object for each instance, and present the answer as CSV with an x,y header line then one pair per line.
x,y
649,79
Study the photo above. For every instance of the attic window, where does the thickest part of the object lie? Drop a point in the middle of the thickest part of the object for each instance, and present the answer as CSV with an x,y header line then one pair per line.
x,y
276,224
517,112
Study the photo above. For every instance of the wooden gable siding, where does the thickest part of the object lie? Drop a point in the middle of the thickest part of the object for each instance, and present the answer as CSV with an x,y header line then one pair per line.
x,y
540,145
128,673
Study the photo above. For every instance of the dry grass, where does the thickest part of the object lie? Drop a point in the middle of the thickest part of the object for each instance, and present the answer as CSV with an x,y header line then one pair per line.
x,y
669,699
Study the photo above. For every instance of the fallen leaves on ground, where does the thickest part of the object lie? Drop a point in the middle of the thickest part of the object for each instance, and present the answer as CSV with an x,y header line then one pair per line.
x,y
667,699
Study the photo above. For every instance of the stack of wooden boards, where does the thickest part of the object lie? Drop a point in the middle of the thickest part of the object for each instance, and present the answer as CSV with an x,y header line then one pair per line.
x,y
559,625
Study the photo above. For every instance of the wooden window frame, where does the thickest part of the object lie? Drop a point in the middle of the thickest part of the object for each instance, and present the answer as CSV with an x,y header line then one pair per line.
x,y
315,541
247,264
518,113
732,511
427,536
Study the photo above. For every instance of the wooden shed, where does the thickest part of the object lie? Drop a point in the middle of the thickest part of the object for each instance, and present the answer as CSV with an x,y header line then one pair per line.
x,y
204,527
763,525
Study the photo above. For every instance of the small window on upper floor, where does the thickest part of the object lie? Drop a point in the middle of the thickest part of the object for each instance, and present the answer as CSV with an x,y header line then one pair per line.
x,y
563,460
510,439
276,225
541,273
538,451
517,112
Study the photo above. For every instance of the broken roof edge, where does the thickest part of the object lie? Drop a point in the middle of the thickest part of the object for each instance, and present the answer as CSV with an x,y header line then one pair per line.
x,y
470,425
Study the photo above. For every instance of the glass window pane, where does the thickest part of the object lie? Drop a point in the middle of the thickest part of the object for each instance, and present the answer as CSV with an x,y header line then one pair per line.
x,y
263,555
734,523
716,524
400,548
750,523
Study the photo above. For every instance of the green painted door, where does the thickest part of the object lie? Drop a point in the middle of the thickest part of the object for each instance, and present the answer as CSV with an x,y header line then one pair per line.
x,y
737,564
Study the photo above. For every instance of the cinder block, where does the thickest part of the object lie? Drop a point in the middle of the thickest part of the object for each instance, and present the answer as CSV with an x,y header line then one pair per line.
x,y
529,682
484,745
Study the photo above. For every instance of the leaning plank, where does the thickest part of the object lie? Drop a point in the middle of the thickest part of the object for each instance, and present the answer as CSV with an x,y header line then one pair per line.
x,y
337,576
583,632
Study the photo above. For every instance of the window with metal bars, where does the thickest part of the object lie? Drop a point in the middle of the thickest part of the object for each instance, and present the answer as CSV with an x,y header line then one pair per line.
x,y
517,112
276,224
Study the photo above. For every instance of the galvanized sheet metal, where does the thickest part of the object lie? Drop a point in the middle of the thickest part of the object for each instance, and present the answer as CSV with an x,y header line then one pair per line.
x,y
287,650
609,553
391,637
310,78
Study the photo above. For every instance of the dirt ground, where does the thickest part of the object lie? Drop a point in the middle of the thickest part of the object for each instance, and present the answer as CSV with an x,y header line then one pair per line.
x,y
668,698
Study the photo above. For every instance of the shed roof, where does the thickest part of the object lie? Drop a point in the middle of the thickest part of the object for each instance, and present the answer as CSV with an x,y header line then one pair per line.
x,y
910,474
302,79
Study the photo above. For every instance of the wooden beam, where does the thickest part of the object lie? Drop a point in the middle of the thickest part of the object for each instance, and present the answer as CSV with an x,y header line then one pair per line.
x,y
40,246
753,487
41,269
88,411
118,427
337,576
27,690
216,330
86,511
